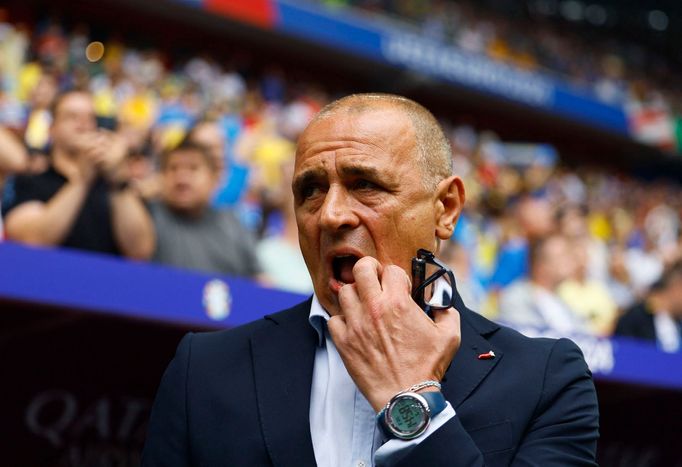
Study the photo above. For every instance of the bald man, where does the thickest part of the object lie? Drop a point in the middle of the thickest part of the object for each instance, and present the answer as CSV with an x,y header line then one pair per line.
x,y
359,374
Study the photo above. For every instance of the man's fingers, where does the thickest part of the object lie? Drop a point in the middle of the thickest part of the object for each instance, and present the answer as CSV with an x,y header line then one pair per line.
x,y
349,302
337,328
348,297
366,273
395,281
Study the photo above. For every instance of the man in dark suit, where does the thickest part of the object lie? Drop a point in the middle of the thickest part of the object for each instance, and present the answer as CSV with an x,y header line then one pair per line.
x,y
359,374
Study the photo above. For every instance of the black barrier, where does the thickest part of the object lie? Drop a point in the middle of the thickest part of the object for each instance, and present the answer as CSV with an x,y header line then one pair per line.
x,y
78,387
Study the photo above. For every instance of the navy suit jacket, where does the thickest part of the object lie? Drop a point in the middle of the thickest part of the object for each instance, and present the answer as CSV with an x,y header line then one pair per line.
x,y
241,397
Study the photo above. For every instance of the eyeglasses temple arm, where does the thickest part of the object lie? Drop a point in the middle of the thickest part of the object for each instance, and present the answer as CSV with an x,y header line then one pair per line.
x,y
418,276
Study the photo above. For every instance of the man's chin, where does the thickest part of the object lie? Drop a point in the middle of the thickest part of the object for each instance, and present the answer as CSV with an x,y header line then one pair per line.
x,y
185,208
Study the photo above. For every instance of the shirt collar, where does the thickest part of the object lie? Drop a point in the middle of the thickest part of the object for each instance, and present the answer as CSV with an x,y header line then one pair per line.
x,y
318,318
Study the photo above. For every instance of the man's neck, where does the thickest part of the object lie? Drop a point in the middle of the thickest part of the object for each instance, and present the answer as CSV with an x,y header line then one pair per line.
x,y
194,214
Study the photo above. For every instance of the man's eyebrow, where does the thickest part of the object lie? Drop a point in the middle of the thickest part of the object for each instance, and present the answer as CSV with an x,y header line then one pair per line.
x,y
359,171
307,177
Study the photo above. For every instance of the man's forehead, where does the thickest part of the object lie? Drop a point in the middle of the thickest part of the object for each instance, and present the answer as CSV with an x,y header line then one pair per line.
x,y
76,102
383,128
208,131
382,118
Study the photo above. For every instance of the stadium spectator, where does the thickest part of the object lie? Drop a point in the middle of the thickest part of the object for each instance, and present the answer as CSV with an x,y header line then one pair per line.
x,y
83,199
39,116
644,264
13,155
658,318
530,219
470,289
279,253
585,296
144,177
530,38
191,233
13,158
233,177
208,134
534,302
572,222
618,281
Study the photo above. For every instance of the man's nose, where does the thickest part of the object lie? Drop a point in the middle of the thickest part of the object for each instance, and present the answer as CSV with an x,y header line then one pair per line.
x,y
337,210
185,176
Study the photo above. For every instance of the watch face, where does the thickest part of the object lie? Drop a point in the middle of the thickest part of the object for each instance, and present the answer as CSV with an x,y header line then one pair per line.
x,y
407,416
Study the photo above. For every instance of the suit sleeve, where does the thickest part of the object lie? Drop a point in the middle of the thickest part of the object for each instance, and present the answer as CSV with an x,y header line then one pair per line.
x,y
167,436
563,430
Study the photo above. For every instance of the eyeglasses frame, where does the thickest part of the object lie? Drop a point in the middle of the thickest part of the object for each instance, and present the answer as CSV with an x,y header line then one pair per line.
x,y
420,282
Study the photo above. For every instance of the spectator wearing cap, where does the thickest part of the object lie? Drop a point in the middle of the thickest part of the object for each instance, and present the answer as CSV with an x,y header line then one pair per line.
x,y
191,233
83,200
658,318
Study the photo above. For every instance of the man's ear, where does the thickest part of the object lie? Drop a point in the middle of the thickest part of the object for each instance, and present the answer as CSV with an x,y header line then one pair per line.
x,y
450,200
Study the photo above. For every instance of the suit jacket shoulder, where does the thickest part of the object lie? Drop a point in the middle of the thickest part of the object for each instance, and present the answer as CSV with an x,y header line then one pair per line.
x,y
227,341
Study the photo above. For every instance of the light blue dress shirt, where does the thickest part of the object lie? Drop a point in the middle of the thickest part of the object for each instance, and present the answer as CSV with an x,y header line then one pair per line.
x,y
342,423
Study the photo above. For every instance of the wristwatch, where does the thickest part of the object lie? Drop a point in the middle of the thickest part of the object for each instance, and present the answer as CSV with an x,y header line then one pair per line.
x,y
408,414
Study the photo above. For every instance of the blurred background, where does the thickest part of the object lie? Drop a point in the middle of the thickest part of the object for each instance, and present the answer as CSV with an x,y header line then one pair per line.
x,y
146,152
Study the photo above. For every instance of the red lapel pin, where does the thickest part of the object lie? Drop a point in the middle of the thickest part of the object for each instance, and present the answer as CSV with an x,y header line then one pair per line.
x,y
487,356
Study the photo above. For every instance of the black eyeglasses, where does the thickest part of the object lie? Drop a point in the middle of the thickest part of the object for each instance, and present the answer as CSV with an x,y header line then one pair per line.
x,y
433,282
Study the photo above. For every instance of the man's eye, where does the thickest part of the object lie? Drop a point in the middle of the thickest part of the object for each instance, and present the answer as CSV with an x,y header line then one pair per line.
x,y
309,191
365,185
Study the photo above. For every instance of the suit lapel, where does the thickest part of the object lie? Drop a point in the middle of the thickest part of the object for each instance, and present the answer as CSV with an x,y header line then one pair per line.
x,y
283,356
467,371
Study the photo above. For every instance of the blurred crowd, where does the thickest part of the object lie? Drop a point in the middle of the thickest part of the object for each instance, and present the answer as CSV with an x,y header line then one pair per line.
x,y
112,149
617,71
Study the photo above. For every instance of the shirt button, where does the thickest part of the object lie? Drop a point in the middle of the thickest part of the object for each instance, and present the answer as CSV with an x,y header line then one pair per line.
x,y
360,464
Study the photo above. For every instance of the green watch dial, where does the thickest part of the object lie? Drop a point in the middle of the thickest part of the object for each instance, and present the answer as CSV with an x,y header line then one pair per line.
x,y
407,416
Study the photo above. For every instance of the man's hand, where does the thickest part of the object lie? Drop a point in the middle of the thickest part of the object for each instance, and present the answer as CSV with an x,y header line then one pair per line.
x,y
111,157
84,170
385,340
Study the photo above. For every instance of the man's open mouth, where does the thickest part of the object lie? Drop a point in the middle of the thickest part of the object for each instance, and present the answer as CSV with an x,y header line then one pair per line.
x,y
342,268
